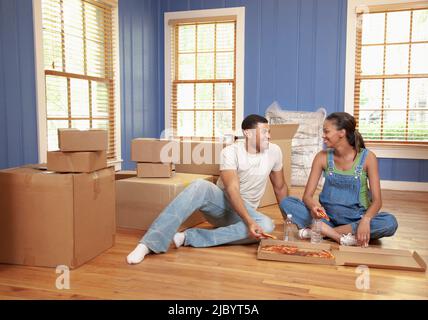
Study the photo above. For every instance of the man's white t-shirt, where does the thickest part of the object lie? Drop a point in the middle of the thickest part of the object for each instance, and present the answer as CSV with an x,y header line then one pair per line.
x,y
253,169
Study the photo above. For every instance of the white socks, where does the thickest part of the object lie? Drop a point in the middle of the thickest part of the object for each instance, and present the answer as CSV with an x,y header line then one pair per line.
x,y
179,239
141,250
138,254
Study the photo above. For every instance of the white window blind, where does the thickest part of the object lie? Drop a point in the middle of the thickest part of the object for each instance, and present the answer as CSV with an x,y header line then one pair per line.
x,y
391,75
203,65
78,62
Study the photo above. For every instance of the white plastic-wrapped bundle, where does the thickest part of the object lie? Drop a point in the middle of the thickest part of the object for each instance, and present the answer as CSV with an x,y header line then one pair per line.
x,y
306,143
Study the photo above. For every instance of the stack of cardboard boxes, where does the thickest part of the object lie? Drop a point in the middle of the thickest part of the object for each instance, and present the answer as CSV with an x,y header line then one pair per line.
x,y
203,157
140,199
79,151
51,218
151,161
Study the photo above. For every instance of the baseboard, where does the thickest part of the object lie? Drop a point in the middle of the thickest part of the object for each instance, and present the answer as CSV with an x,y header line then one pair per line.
x,y
404,185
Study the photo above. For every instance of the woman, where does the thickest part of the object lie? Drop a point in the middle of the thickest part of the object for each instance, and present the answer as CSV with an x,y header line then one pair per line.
x,y
351,207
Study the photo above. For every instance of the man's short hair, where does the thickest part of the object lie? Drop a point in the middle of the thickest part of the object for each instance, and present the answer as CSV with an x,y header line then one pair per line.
x,y
251,121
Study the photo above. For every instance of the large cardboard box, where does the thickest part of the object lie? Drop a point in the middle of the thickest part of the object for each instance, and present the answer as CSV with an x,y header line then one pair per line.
x,y
50,219
154,150
155,170
81,161
282,135
345,256
200,157
82,140
268,197
139,201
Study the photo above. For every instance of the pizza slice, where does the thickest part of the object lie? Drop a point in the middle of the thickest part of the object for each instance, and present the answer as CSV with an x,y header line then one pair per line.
x,y
267,235
322,214
292,250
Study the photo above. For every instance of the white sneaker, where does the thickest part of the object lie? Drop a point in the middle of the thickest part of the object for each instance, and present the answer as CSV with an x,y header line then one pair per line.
x,y
305,233
348,240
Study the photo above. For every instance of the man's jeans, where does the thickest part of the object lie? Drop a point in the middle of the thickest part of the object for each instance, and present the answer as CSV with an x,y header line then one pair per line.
x,y
212,202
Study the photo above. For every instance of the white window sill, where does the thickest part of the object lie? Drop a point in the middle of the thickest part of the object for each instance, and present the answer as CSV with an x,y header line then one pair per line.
x,y
116,163
397,151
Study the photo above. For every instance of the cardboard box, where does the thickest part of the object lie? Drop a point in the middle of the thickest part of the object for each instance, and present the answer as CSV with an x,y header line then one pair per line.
x,y
154,150
82,161
139,201
282,135
82,140
268,197
155,170
125,174
50,219
347,256
200,157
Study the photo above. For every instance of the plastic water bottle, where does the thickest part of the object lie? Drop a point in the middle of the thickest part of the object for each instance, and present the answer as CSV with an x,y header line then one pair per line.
x,y
288,229
316,236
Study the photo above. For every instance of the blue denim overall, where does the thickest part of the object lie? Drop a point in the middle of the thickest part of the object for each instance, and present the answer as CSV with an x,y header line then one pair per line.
x,y
340,198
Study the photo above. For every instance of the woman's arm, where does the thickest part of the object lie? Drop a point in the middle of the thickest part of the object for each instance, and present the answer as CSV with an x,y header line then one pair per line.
x,y
363,232
373,175
317,167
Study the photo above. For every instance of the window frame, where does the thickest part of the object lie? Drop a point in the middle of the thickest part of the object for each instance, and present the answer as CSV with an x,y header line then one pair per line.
x,y
41,88
239,12
381,149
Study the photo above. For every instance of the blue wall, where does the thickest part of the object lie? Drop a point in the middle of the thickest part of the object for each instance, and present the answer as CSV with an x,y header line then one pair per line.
x,y
139,63
294,53
18,111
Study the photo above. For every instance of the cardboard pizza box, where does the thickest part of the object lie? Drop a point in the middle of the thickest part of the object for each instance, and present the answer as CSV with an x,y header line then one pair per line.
x,y
380,258
305,246
347,256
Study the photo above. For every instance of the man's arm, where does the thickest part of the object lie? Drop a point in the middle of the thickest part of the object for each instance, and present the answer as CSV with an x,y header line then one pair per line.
x,y
230,181
279,186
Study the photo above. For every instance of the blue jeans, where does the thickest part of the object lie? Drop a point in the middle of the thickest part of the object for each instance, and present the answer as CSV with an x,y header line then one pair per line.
x,y
382,225
211,201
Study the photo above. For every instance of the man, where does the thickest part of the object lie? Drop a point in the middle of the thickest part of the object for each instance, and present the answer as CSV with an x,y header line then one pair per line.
x,y
230,205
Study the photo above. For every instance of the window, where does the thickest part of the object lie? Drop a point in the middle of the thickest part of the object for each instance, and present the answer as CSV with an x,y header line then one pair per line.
x,y
204,89
391,74
78,58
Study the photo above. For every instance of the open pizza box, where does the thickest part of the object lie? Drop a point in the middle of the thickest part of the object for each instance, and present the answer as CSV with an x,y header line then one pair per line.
x,y
343,255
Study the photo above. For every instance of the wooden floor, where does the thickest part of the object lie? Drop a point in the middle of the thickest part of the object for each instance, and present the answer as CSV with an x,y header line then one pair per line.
x,y
231,272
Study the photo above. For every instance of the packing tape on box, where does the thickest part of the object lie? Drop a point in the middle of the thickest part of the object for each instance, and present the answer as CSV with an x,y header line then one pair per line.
x,y
96,179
